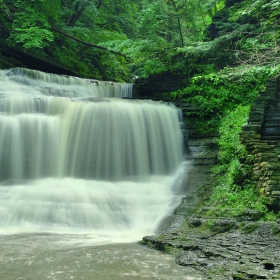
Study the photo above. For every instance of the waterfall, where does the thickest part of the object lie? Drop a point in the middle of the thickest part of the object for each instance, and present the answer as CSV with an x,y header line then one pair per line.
x,y
74,156
63,86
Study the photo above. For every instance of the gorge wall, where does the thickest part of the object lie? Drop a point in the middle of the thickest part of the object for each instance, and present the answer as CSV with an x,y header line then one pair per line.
x,y
229,247
261,137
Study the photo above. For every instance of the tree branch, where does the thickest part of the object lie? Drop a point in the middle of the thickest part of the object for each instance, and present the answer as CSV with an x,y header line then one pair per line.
x,y
85,43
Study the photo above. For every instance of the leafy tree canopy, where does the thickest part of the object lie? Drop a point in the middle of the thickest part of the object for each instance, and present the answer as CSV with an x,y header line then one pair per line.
x,y
126,26
146,37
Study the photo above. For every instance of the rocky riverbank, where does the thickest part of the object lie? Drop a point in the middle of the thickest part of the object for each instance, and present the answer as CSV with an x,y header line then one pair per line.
x,y
224,248
239,248
229,247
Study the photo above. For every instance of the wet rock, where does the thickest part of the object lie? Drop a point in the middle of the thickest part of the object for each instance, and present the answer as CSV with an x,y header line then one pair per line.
x,y
222,225
234,254
194,222
239,276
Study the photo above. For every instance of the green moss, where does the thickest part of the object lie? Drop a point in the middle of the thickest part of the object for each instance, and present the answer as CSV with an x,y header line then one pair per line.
x,y
221,226
168,248
239,276
248,227
275,228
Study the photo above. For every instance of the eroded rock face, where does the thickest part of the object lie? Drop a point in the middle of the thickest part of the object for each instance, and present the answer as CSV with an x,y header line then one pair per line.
x,y
254,255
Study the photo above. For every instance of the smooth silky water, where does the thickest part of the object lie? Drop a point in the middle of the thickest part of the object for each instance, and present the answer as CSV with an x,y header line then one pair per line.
x,y
84,175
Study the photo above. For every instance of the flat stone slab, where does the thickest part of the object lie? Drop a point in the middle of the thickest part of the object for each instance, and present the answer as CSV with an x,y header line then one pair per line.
x,y
235,254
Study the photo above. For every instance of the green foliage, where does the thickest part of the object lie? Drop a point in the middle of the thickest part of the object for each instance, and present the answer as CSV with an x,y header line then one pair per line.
x,y
265,9
272,216
157,36
29,25
275,229
32,37
248,227
217,93
146,57
261,45
218,227
233,190
31,22
230,148
178,22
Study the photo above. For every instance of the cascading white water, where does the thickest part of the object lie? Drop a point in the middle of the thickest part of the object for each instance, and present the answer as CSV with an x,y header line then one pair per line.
x,y
74,159
57,85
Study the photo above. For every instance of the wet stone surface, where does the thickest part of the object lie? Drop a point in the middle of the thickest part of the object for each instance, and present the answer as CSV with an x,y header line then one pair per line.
x,y
234,254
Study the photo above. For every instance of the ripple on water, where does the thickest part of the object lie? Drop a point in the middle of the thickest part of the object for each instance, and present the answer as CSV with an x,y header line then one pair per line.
x,y
46,256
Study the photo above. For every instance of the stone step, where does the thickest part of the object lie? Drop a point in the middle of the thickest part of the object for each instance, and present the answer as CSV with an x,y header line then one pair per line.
x,y
272,112
271,131
270,128
271,142
270,138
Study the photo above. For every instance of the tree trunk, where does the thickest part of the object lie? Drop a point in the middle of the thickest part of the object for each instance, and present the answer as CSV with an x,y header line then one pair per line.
x,y
179,23
78,10
99,4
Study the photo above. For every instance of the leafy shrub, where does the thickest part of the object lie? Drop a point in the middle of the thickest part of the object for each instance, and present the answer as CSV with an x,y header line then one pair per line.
x,y
233,190
217,93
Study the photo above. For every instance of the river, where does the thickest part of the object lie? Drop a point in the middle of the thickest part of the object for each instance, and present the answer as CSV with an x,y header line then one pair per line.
x,y
57,257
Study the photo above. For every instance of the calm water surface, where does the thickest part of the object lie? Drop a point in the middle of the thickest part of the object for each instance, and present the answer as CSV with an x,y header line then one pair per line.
x,y
49,256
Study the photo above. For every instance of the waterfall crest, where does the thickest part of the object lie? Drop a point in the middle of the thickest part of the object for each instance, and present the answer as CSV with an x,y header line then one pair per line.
x,y
59,85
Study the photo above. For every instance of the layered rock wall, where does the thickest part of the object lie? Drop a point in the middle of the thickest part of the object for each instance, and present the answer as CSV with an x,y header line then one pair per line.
x,y
201,155
261,137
